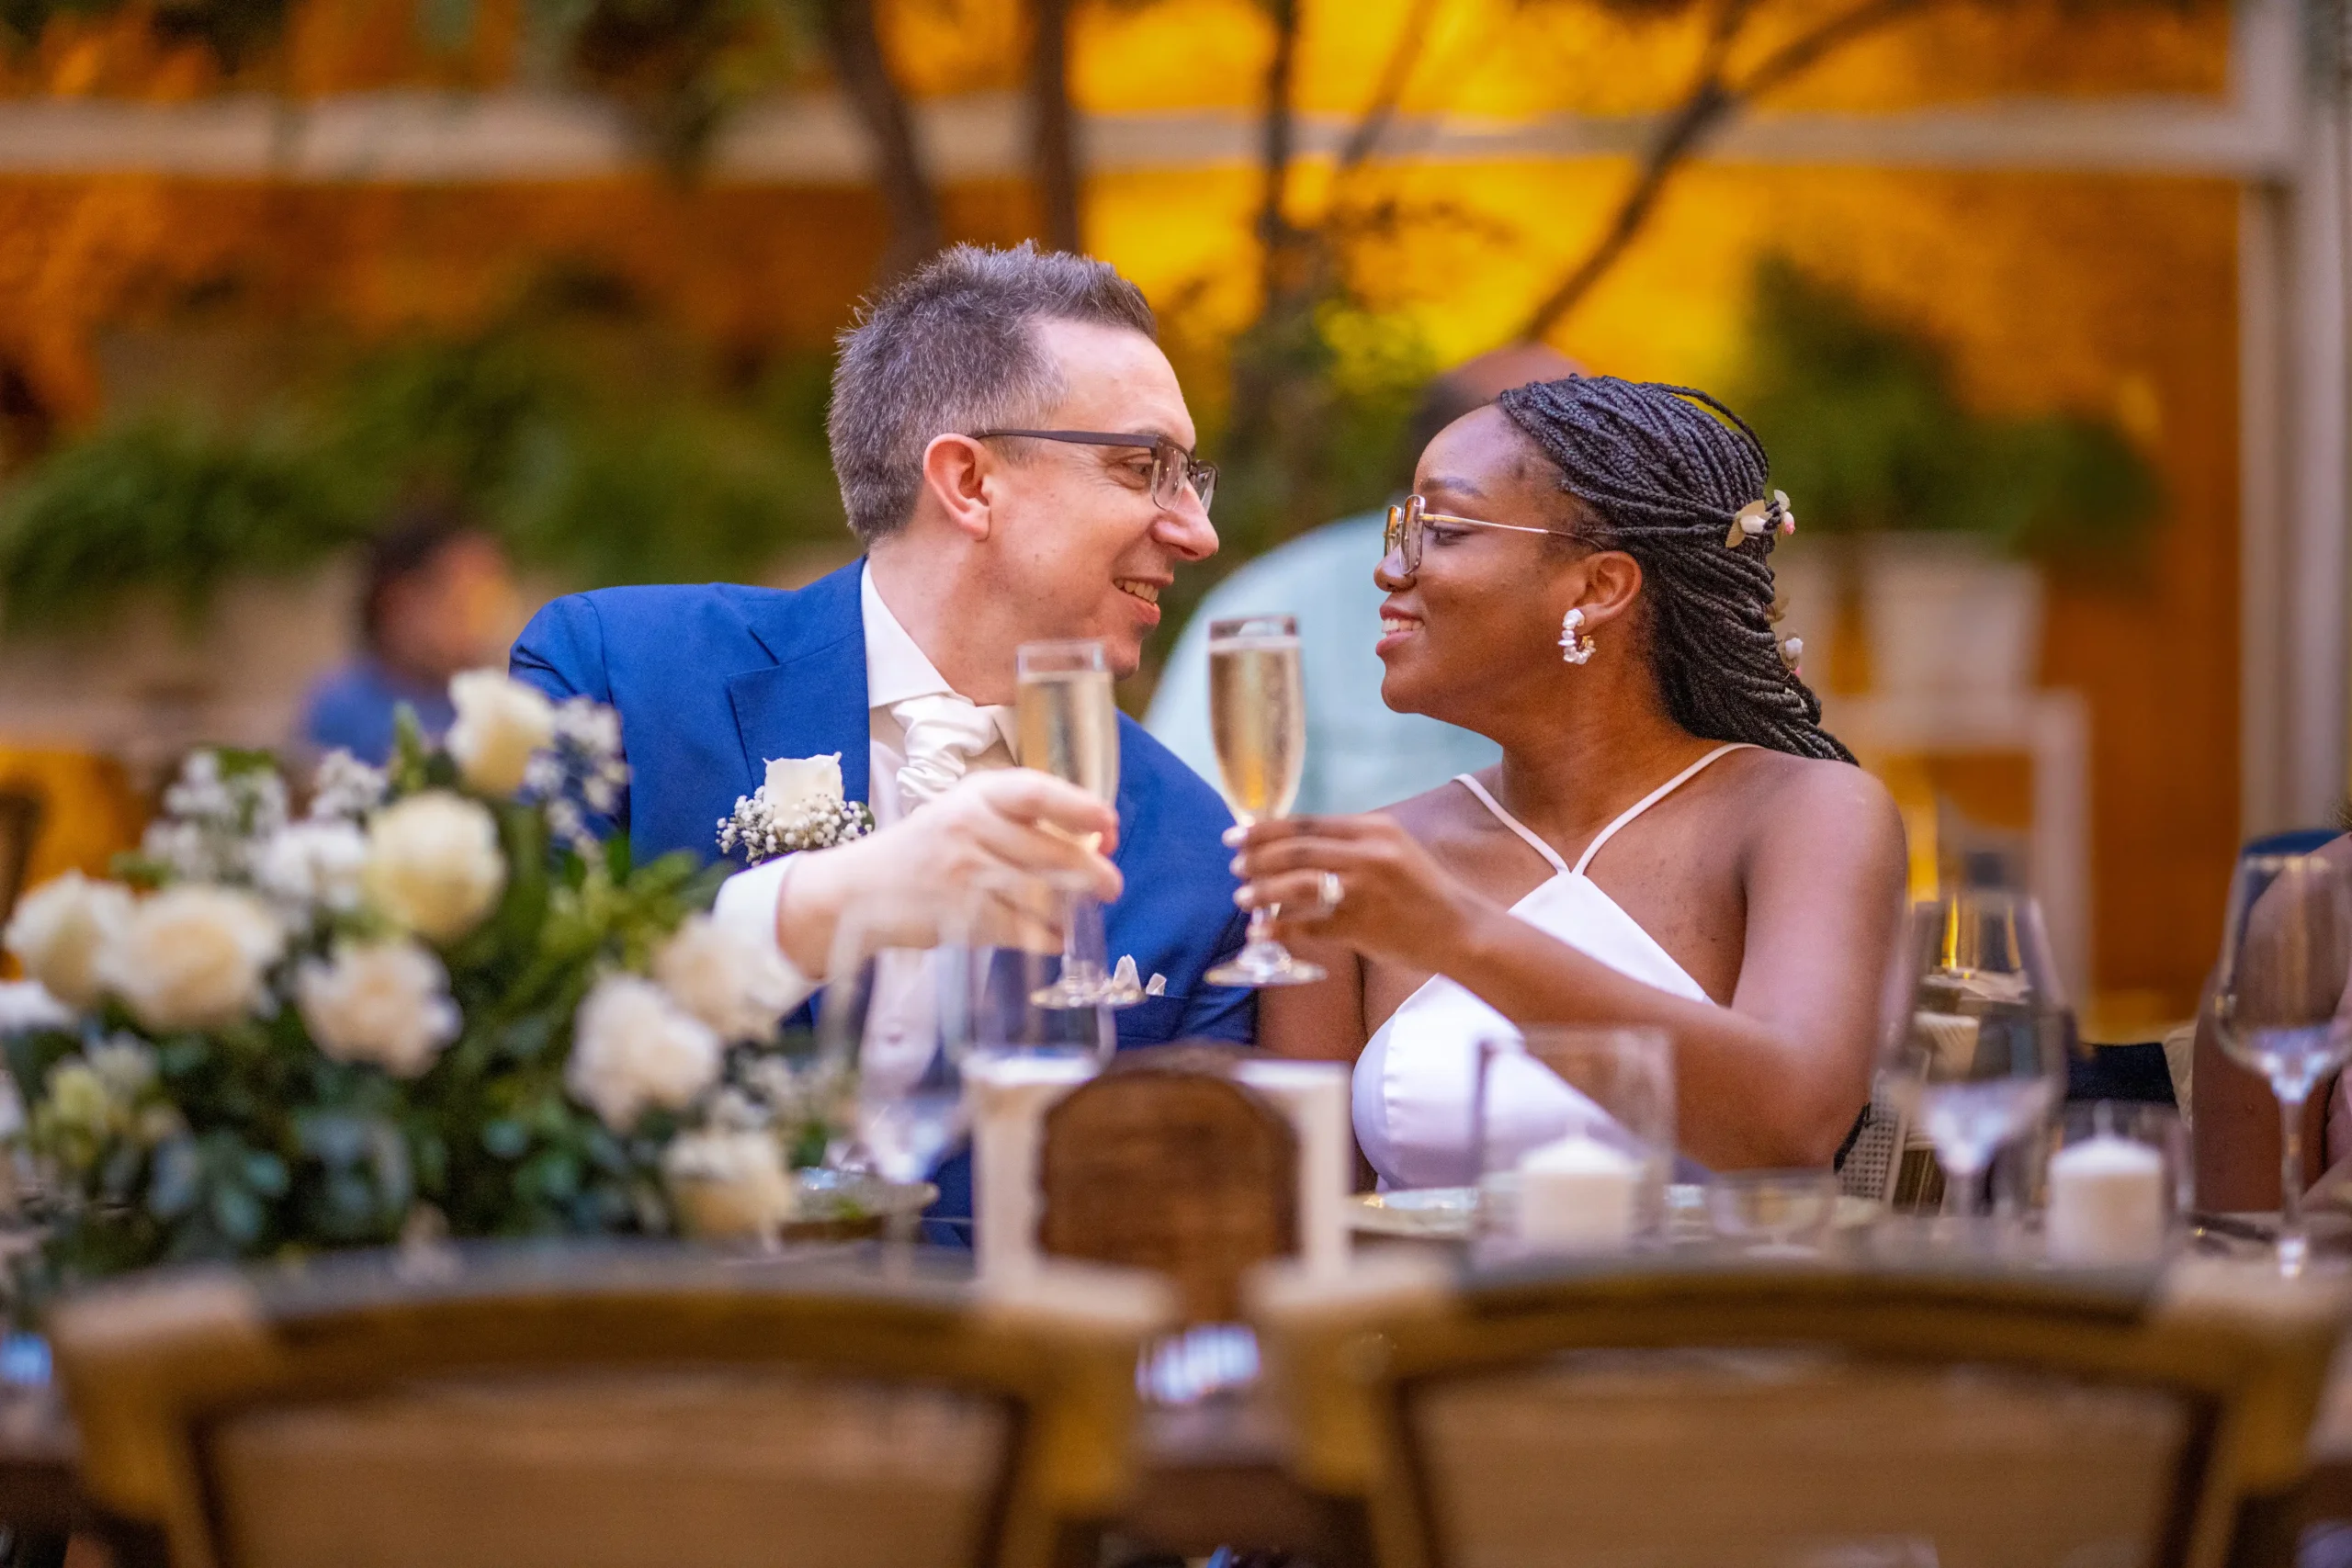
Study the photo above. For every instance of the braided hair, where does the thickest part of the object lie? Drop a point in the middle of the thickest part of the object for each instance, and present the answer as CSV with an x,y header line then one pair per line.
x,y
1664,473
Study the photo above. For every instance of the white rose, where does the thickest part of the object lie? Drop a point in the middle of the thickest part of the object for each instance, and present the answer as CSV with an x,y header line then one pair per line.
x,y
633,1047
192,957
319,862
386,1002
500,722
728,1185
59,929
433,864
730,979
795,783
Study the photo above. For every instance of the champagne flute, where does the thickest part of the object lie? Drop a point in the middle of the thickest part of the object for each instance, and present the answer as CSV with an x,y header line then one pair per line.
x,y
1258,718
1979,1054
896,1021
1069,727
2279,1000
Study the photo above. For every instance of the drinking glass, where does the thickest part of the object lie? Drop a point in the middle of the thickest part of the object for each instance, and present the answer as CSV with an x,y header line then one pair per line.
x,y
1571,1138
1978,1056
1258,720
1069,727
895,1020
1026,1052
2279,1000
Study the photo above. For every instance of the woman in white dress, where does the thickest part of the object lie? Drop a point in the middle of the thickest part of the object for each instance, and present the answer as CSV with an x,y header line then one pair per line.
x,y
1670,838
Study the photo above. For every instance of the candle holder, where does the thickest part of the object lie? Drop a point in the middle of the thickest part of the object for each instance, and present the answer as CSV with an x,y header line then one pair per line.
x,y
2115,1183
1572,1138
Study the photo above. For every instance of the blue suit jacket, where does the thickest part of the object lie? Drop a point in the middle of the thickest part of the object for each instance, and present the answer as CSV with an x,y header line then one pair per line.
x,y
713,681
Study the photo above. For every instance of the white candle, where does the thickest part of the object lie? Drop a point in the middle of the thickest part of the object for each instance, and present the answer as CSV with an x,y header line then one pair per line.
x,y
1010,1096
2107,1202
1314,1096
1578,1194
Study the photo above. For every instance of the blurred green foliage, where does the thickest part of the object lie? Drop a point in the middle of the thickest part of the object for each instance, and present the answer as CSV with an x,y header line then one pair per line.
x,y
1868,433
587,461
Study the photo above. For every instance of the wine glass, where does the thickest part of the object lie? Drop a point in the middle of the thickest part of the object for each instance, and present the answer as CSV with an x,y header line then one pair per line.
x,y
1979,1054
1258,720
1069,727
896,1018
2279,1000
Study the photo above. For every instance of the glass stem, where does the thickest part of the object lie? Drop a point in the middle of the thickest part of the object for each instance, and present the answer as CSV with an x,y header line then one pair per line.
x,y
2294,1247
1261,925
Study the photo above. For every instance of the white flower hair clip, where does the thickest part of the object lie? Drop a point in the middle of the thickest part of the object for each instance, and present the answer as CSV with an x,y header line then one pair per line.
x,y
1771,515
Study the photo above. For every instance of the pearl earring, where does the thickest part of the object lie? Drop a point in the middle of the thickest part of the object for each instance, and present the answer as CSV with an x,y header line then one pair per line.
x,y
1575,647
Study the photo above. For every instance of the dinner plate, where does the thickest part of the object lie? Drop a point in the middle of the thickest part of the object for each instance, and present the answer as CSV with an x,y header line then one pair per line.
x,y
1446,1213
842,1205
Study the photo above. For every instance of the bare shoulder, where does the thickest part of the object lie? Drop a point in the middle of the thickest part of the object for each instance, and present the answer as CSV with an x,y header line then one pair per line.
x,y
1817,806
1435,814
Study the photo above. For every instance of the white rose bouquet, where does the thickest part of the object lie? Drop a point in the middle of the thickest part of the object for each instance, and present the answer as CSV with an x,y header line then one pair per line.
x,y
430,1002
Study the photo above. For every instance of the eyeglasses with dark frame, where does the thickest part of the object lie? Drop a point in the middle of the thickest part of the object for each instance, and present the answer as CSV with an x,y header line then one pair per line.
x,y
1404,530
1173,468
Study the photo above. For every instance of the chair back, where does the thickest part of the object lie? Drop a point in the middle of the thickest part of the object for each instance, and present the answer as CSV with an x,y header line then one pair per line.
x,y
1689,1415
604,1410
1166,1162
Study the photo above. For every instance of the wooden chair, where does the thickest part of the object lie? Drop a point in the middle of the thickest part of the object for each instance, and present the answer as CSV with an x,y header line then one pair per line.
x,y
1166,1162
606,1409
1807,1416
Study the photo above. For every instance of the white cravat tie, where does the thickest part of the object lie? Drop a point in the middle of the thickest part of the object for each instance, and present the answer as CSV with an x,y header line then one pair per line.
x,y
944,733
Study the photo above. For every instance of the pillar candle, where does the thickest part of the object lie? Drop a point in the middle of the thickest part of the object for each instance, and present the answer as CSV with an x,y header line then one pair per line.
x,y
2107,1202
1578,1194
1010,1096
1314,1096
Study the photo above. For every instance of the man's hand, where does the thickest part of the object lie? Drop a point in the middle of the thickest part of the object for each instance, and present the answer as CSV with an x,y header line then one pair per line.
x,y
1008,819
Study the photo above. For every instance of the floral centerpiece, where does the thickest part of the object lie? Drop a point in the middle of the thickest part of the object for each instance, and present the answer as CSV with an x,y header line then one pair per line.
x,y
430,1003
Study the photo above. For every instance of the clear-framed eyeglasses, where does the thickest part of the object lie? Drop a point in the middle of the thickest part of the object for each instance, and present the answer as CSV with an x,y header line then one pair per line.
x,y
1405,529
1173,469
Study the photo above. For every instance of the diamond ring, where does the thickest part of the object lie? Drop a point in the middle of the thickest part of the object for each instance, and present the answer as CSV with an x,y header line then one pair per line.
x,y
1328,893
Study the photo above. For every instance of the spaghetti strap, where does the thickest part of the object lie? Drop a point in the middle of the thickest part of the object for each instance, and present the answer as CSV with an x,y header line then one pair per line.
x,y
1668,787
1513,823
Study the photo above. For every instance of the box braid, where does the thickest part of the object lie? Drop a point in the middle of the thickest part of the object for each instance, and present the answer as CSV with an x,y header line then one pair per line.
x,y
1664,472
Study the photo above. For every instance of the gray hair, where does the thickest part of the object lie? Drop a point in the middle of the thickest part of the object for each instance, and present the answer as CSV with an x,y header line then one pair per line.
x,y
953,348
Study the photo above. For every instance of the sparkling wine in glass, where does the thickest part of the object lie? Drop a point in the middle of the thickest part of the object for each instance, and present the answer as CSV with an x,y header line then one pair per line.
x,y
1258,720
1979,1054
1068,726
2279,1000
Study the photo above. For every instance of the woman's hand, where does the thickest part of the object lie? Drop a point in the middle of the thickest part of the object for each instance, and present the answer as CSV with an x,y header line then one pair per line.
x,y
1394,901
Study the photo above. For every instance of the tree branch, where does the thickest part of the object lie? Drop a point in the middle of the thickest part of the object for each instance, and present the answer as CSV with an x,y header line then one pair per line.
x,y
907,191
1395,75
1711,100
1054,128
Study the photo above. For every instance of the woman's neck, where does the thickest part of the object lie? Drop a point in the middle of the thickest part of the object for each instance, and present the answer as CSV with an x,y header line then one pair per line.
x,y
1566,771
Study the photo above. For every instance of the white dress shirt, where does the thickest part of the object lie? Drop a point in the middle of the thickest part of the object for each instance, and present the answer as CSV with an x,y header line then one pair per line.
x,y
896,671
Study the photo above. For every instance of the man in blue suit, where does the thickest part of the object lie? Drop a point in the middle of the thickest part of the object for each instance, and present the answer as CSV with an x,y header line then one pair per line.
x,y
978,539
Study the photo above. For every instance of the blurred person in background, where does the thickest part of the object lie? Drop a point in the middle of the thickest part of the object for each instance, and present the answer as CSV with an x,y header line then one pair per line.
x,y
438,597
1361,753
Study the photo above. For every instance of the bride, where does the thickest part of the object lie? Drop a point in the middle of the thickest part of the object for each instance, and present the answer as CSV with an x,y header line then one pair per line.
x,y
1670,838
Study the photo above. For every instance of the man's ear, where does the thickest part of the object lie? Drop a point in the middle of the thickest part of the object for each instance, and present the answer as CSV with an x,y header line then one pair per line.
x,y
956,471
1612,580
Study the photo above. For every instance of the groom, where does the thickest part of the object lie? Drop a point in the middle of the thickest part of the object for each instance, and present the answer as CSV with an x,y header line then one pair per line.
x,y
903,662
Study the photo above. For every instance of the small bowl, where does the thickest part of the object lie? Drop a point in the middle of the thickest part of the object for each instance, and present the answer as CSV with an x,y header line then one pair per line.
x,y
1773,1213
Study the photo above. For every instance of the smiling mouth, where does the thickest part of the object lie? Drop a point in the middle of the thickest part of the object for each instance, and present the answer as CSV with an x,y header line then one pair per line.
x,y
1146,592
1392,626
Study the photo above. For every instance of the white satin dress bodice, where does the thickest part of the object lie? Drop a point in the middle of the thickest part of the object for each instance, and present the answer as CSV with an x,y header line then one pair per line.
x,y
1415,1078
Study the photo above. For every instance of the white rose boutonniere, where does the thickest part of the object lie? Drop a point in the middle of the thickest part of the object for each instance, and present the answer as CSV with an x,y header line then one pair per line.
x,y
58,930
386,1002
799,806
501,725
433,864
192,957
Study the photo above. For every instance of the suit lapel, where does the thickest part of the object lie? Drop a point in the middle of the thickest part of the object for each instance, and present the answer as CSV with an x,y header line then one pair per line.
x,y
812,700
